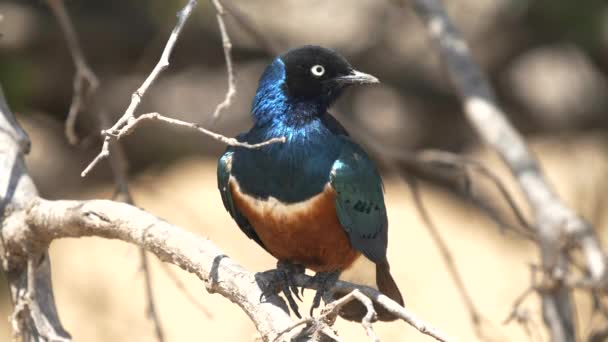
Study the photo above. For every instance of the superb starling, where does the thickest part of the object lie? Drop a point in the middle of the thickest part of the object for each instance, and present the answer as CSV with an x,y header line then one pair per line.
x,y
316,200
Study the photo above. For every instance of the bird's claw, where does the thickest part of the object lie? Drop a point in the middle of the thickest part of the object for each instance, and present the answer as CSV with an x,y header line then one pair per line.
x,y
324,282
282,280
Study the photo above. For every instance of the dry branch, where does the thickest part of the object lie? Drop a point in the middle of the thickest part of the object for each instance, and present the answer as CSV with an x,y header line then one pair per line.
x,y
330,312
30,288
477,319
127,122
270,46
49,220
227,45
182,288
554,221
136,97
46,221
85,81
85,84
119,166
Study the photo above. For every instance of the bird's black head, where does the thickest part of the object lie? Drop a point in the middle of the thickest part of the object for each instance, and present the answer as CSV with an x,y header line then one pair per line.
x,y
306,80
312,72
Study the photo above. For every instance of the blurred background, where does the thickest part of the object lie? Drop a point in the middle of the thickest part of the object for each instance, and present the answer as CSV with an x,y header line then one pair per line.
x,y
547,59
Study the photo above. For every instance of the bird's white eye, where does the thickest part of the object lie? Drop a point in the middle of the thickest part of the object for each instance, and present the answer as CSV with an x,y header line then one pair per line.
x,y
317,70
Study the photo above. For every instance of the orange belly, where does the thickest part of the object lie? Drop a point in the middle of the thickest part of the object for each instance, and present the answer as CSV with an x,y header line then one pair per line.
x,y
307,233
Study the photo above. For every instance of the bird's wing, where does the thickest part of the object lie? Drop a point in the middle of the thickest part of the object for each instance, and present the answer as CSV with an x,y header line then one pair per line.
x,y
360,201
224,167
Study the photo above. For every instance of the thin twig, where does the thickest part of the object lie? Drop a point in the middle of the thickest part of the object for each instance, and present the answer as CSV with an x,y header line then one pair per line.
x,y
127,122
151,306
85,80
522,316
227,45
136,97
269,45
332,309
182,288
119,166
134,122
554,219
462,162
162,64
476,318
515,310
390,305
130,126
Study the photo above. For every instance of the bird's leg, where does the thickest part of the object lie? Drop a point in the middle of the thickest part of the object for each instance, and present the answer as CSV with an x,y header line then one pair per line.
x,y
324,282
282,279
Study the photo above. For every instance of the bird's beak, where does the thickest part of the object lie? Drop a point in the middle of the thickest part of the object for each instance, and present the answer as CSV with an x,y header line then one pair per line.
x,y
357,77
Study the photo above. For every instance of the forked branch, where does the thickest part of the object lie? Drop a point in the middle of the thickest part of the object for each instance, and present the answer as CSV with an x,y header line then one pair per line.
x,y
85,81
554,221
128,120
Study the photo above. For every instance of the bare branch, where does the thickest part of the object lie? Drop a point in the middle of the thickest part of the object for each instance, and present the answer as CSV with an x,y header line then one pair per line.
x,y
182,288
49,220
330,312
476,318
136,97
134,122
162,64
554,220
152,313
85,80
366,322
464,163
516,310
523,316
130,126
390,305
127,122
227,45
29,282
269,45
491,123
119,166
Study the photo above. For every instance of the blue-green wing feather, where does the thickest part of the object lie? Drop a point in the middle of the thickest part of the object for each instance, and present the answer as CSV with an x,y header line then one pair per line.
x,y
360,201
224,167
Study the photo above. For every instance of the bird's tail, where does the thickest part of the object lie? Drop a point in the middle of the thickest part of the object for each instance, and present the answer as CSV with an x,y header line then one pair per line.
x,y
354,311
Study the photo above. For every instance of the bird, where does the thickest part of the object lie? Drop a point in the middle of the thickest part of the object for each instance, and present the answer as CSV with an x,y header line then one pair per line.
x,y
316,200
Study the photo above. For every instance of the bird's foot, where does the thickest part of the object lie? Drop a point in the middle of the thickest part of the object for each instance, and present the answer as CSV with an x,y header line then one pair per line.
x,y
324,282
282,280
